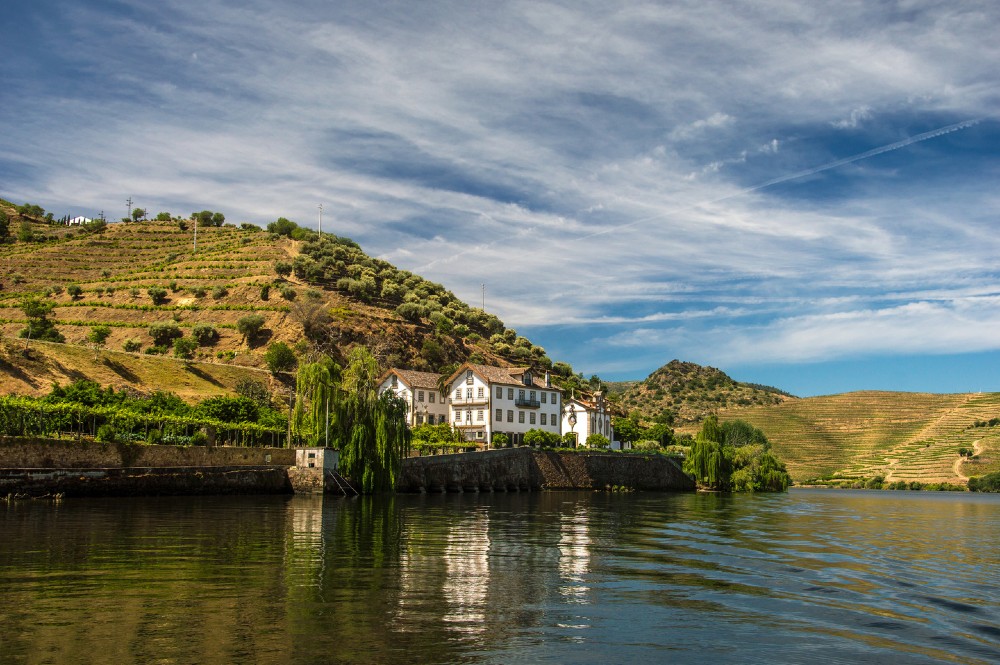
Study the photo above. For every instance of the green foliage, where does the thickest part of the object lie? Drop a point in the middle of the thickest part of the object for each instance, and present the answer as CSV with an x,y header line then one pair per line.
x,y
132,345
4,226
265,292
987,483
250,326
219,292
184,347
500,440
106,434
39,326
182,225
282,227
569,440
283,268
735,456
228,409
204,333
598,441
164,332
287,292
74,291
157,294
541,438
370,428
254,390
315,389
99,334
208,218
25,233
163,217
280,358
137,214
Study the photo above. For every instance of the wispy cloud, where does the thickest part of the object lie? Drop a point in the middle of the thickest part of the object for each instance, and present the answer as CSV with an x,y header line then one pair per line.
x,y
681,175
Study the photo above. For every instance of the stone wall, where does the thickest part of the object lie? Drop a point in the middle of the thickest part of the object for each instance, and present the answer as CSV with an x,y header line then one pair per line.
x,y
56,454
526,469
149,481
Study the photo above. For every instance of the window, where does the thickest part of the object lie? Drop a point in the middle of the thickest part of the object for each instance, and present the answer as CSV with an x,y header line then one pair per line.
x,y
520,395
531,395
479,393
479,435
499,416
520,416
531,417
395,381
499,392
458,416
544,397
420,395
510,416
468,376
458,393
545,417
430,397
468,393
510,393
468,416
479,415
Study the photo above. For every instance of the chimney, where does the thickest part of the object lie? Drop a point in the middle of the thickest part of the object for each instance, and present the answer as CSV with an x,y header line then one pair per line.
x,y
548,379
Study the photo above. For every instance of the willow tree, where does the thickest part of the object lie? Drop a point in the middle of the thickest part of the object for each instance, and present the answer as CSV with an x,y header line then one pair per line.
x,y
369,428
316,388
708,461
735,456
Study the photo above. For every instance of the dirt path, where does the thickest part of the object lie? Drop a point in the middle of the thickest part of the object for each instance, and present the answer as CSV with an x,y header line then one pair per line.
x,y
957,467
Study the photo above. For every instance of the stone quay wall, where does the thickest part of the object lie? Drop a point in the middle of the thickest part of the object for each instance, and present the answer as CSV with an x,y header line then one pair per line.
x,y
517,469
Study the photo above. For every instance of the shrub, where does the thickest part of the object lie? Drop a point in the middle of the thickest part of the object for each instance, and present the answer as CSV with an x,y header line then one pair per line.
x,y
173,286
287,292
199,438
157,294
219,292
164,333
280,358
541,438
134,292
265,292
132,345
204,333
598,441
250,326
283,268
74,291
198,292
106,434
184,347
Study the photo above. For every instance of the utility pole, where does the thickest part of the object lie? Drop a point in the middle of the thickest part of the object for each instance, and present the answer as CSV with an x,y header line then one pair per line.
x,y
319,224
484,297
128,210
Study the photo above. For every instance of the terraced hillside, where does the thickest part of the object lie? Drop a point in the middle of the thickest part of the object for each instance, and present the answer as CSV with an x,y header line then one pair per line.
x,y
898,436
313,294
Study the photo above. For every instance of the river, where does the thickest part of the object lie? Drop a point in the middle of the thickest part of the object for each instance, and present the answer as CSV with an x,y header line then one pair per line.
x,y
808,576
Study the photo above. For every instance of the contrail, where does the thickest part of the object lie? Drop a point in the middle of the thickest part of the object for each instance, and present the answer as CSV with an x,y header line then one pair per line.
x,y
965,124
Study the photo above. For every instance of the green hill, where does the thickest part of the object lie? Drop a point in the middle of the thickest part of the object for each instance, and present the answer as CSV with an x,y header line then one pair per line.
x,y
898,436
314,294
690,392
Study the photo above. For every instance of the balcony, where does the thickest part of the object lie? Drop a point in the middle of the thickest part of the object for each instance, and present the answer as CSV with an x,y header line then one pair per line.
x,y
526,403
470,401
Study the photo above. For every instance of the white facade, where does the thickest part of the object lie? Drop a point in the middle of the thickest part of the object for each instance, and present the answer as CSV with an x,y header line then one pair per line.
x,y
424,401
79,220
586,416
484,401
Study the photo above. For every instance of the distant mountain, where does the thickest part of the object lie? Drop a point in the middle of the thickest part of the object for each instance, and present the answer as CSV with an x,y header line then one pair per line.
x,y
690,392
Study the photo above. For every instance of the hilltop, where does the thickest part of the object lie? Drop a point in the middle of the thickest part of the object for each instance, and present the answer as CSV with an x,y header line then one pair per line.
x,y
690,392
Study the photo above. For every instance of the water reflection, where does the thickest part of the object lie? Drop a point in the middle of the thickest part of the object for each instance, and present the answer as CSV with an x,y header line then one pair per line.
x,y
848,576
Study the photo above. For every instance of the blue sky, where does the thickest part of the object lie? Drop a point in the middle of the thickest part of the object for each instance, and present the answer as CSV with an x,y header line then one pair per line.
x,y
800,195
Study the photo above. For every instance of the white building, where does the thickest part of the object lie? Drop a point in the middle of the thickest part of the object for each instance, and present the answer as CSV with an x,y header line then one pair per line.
x,y
76,221
485,401
586,415
424,401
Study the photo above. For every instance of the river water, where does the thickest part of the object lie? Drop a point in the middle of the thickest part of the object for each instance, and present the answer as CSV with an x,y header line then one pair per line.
x,y
808,576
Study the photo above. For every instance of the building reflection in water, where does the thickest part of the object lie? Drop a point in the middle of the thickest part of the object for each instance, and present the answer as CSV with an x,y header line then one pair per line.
x,y
574,555
305,548
467,562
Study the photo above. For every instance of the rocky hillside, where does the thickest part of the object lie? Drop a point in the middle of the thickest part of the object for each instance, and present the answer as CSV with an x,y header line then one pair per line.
x,y
690,392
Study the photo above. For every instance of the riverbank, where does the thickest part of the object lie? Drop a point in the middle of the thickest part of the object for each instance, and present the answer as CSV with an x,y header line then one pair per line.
x,y
38,467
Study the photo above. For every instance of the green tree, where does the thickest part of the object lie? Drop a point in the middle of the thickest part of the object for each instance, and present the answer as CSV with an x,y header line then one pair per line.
x,y
184,347
74,291
164,332
598,441
282,227
218,219
163,217
280,358
250,326
283,268
39,326
627,429
370,428
315,389
157,294
204,333
4,226
137,214
25,233
97,336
